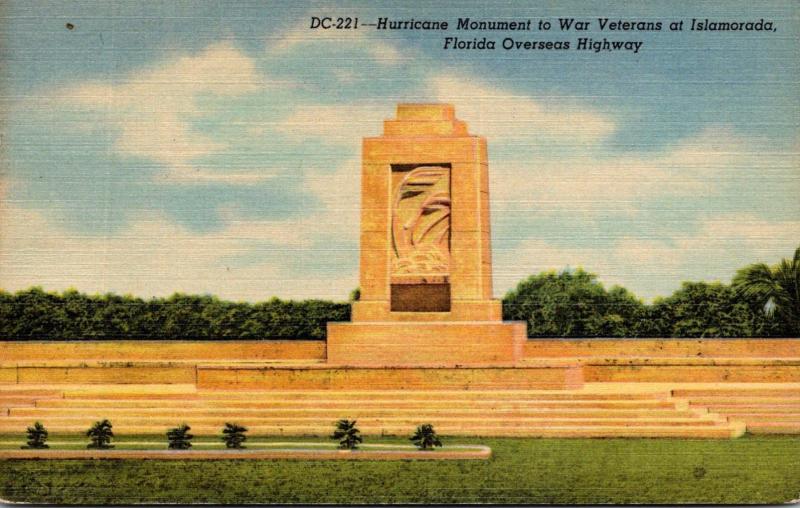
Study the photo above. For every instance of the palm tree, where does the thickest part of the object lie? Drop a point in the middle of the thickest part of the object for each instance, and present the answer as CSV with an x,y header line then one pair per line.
x,y
776,288
179,438
233,435
37,437
425,437
100,435
348,434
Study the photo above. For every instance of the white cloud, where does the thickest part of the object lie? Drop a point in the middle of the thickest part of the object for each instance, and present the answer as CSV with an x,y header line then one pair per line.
x,y
585,183
491,112
187,174
741,236
153,108
336,220
154,257
248,259
343,124
652,267
340,192
501,114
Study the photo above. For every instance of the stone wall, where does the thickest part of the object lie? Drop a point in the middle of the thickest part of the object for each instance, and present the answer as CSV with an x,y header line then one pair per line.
x,y
144,350
659,348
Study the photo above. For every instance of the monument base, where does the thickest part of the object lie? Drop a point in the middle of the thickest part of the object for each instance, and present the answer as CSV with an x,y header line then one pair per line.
x,y
460,310
549,375
440,344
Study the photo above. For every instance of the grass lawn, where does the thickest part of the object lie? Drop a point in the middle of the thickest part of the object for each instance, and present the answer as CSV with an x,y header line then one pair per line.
x,y
745,470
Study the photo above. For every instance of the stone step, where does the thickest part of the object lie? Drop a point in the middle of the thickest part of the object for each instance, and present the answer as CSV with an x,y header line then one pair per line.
x,y
411,395
713,432
386,403
16,401
173,420
751,407
763,408
759,419
762,417
774,427
777,401
177,414
61,406
372,395
356,411
700,431
109,391
168,398
792,390
6,410
12,394
739,410
436,395
58,407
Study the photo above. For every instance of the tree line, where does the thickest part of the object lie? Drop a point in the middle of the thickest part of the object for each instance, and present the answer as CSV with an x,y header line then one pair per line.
x,y
34,314
760,301
575,304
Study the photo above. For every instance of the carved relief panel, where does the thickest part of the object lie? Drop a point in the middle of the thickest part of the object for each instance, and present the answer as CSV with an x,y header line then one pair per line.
x,y
420,234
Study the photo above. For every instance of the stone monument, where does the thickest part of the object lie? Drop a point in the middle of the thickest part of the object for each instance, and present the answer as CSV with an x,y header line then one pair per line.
x,y
425,266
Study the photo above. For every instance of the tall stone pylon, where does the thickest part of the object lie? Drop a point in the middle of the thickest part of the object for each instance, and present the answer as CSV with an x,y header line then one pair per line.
x,y
425,265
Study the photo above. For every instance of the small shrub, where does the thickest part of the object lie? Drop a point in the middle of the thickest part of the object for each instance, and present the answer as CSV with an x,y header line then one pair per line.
x,y
100,435
179,438
425,437
37,437
347,434
233,436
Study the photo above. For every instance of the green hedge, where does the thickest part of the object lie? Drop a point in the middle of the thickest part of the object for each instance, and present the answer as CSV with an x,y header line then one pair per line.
x,y
34,314
575,304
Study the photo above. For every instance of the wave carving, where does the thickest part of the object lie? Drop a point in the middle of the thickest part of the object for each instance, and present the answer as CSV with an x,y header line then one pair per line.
x,y
421,222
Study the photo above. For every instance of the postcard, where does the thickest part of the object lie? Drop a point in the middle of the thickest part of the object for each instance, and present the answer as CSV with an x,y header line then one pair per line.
x,y
272,252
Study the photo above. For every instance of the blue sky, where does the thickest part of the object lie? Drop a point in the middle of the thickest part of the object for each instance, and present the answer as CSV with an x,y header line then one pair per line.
x,y
214,146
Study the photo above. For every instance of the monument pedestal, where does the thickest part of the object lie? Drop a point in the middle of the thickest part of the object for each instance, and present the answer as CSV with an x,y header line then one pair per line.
x,y
460,310
426,269
433,344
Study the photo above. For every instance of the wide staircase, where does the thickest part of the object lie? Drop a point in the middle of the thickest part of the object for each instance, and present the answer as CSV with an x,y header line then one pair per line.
x,y
562,388
593,411
763,408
